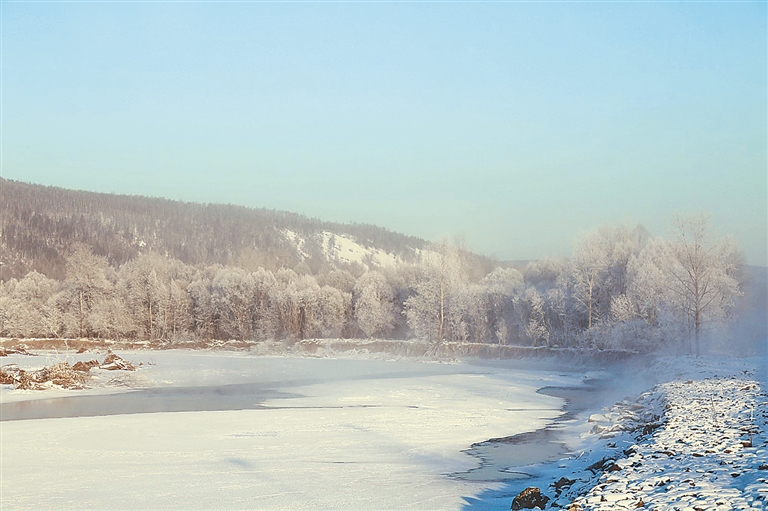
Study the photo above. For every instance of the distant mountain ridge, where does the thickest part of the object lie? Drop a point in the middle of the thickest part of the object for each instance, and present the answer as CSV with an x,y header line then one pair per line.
x,y
39,224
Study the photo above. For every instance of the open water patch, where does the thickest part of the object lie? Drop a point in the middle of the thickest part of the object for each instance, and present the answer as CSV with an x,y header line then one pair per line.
x,y
513,457
244,396
195,398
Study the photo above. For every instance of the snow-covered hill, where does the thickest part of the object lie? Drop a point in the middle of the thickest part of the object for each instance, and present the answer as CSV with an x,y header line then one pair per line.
x,y
344,249
40,224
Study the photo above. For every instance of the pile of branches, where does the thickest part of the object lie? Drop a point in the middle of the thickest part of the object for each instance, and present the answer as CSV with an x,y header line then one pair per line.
x,y
61,374
16,350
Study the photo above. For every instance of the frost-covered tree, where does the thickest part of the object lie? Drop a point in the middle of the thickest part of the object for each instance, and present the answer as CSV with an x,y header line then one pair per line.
x,y
589,263
143,285
265,286
559,314
675,285
425,308
536,328
622,243
345,282
374,304
599,267
287,300
111,318
503,286
203,306
545,273
307,310
30,310
233,291
342,280
86,284
701,274
323,311
6,304
467,315
459,317
441,277
176,305
647,285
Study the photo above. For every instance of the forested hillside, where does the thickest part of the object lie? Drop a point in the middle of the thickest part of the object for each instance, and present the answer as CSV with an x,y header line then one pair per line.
x,y
79,264
39,224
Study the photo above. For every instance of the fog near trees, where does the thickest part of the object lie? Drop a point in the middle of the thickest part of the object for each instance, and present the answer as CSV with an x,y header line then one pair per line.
x,y
620,289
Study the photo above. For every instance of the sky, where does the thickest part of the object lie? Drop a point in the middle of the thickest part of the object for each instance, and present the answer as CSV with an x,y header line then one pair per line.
x,y
516,125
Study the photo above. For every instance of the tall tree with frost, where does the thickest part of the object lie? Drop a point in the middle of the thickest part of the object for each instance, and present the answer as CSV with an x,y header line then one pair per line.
x,y
503,286
648,283
345,282
589,262
324,311
86,284
374,307
442,276
287,302
701,273
7,304
233,292
143,282
204,307
111,318
600,264
265,313
622,243
536,328
177,303
30,312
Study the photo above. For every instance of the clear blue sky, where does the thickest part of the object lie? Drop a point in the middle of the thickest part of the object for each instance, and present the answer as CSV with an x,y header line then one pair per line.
x,y
517,125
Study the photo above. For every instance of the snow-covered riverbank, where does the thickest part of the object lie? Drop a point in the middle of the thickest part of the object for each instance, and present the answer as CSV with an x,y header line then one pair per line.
x,y
695,441
709,451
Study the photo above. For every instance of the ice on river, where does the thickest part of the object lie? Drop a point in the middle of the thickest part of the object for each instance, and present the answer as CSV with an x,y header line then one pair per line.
x,y
347,434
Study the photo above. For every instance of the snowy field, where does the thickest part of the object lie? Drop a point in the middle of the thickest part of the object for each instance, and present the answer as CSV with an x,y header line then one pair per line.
x,y
306,433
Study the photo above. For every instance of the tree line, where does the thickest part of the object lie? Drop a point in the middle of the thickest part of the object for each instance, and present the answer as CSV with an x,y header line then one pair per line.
x,y
620,288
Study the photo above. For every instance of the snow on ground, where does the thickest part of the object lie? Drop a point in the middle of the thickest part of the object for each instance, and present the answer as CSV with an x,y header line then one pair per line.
x,y
344,249
341,248
378,434
696,441
710,450
706,455
297,241
359,434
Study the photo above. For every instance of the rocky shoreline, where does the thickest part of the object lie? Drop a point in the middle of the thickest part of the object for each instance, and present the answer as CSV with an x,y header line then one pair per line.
x,y
709,452
695,443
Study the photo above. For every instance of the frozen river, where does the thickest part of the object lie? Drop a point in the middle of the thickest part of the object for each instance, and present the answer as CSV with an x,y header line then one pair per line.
x,y
207,430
